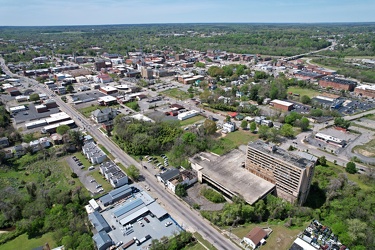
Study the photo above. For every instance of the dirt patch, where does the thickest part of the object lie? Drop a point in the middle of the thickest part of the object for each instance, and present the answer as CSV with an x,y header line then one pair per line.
x,y
194,197
364,152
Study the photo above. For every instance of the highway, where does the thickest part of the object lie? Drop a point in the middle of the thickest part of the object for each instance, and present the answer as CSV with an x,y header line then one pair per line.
x,y
190,217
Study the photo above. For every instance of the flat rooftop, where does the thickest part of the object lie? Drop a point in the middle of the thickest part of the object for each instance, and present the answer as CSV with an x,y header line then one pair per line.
x,y
276,152
227,171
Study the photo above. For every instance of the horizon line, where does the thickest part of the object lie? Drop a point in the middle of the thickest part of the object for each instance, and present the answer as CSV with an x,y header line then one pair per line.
x,y
119,24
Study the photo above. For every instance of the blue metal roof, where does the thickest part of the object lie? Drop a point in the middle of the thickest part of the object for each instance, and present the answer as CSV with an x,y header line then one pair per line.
x,y
102,240
127,207
120,191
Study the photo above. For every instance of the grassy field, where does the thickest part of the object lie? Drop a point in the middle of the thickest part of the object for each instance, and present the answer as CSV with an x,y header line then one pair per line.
x,y
297,90
192,120
22,242
176,93
352,177
281,237
196,246
233,140
367,149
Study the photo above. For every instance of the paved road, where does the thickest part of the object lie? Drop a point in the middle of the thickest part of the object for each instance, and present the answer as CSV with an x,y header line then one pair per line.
x,y
190,218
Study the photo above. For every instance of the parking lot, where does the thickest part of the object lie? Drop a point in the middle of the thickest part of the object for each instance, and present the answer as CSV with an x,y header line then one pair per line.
x,y
85,175
355,106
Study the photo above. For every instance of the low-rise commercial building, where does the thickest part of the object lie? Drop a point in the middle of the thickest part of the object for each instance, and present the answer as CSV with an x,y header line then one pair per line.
x,y
282,105
365,90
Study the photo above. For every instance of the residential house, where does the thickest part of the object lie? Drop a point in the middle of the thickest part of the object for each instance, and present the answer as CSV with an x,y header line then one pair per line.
x,y
186,177
168,175
255,237
113,174
103,115
229,127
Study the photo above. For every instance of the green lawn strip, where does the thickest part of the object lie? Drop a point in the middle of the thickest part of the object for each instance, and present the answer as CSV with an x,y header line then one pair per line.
x,y
309,92
280,238
361,126
195,246
82,159
176,93
192,120
22,242
203,241
109,155
100,179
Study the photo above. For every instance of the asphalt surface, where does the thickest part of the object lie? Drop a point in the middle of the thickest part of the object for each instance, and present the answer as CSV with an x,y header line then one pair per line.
x,y
191,218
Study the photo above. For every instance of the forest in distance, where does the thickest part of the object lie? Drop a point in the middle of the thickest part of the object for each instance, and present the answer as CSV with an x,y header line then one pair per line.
x,y
266,39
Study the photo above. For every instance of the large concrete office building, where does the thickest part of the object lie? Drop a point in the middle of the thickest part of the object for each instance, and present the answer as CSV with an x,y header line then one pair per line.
x,y
290,172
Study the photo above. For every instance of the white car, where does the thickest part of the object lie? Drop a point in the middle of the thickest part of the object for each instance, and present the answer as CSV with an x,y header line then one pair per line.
x,y
93,180
168,223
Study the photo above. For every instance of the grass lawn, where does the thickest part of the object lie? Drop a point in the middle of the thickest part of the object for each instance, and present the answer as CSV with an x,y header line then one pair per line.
x,y
281,238
196,246
370,116
192,120
176,93
309,92
100,180
22,242
82,159
106,152
233,140
203,241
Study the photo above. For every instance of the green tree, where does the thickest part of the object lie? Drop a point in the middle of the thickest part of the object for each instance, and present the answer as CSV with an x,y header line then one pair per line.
x,y
69,88
253,126
181,190
133,172
263,132
304,124
62,129
287,131
322,160
209,127
341,122
200,65
316,112
351,168
305,99
34,97
244,124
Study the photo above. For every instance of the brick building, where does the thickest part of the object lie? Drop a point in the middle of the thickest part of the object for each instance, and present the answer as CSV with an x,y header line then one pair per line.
x,y
365,90
282,105
337,83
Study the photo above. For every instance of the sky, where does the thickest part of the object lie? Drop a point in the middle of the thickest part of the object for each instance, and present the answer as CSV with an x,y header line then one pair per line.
x,y
96,12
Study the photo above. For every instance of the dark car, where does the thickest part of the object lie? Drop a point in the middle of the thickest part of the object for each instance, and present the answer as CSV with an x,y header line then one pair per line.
x,y
147,220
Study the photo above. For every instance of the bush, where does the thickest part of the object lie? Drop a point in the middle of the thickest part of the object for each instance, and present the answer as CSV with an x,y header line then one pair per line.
x,y
181,190
212,195
74,175
351,168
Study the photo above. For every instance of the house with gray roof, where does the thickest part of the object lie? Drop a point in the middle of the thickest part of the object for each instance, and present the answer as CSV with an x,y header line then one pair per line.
x,y
103,115
93,153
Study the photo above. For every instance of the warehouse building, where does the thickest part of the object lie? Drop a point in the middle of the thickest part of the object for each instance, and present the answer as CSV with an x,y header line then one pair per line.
x,y
337,83
365,90
282,105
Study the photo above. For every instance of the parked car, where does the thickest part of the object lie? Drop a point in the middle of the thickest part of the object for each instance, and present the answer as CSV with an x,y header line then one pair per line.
x,y
91,168
147,220
168,223
98,186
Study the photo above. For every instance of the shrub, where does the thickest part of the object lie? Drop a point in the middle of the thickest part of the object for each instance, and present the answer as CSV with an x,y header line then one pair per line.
x,y
212,195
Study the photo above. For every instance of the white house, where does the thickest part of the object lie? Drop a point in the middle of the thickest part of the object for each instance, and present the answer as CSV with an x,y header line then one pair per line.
x,y
229,127
93,153
255,237
103,115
